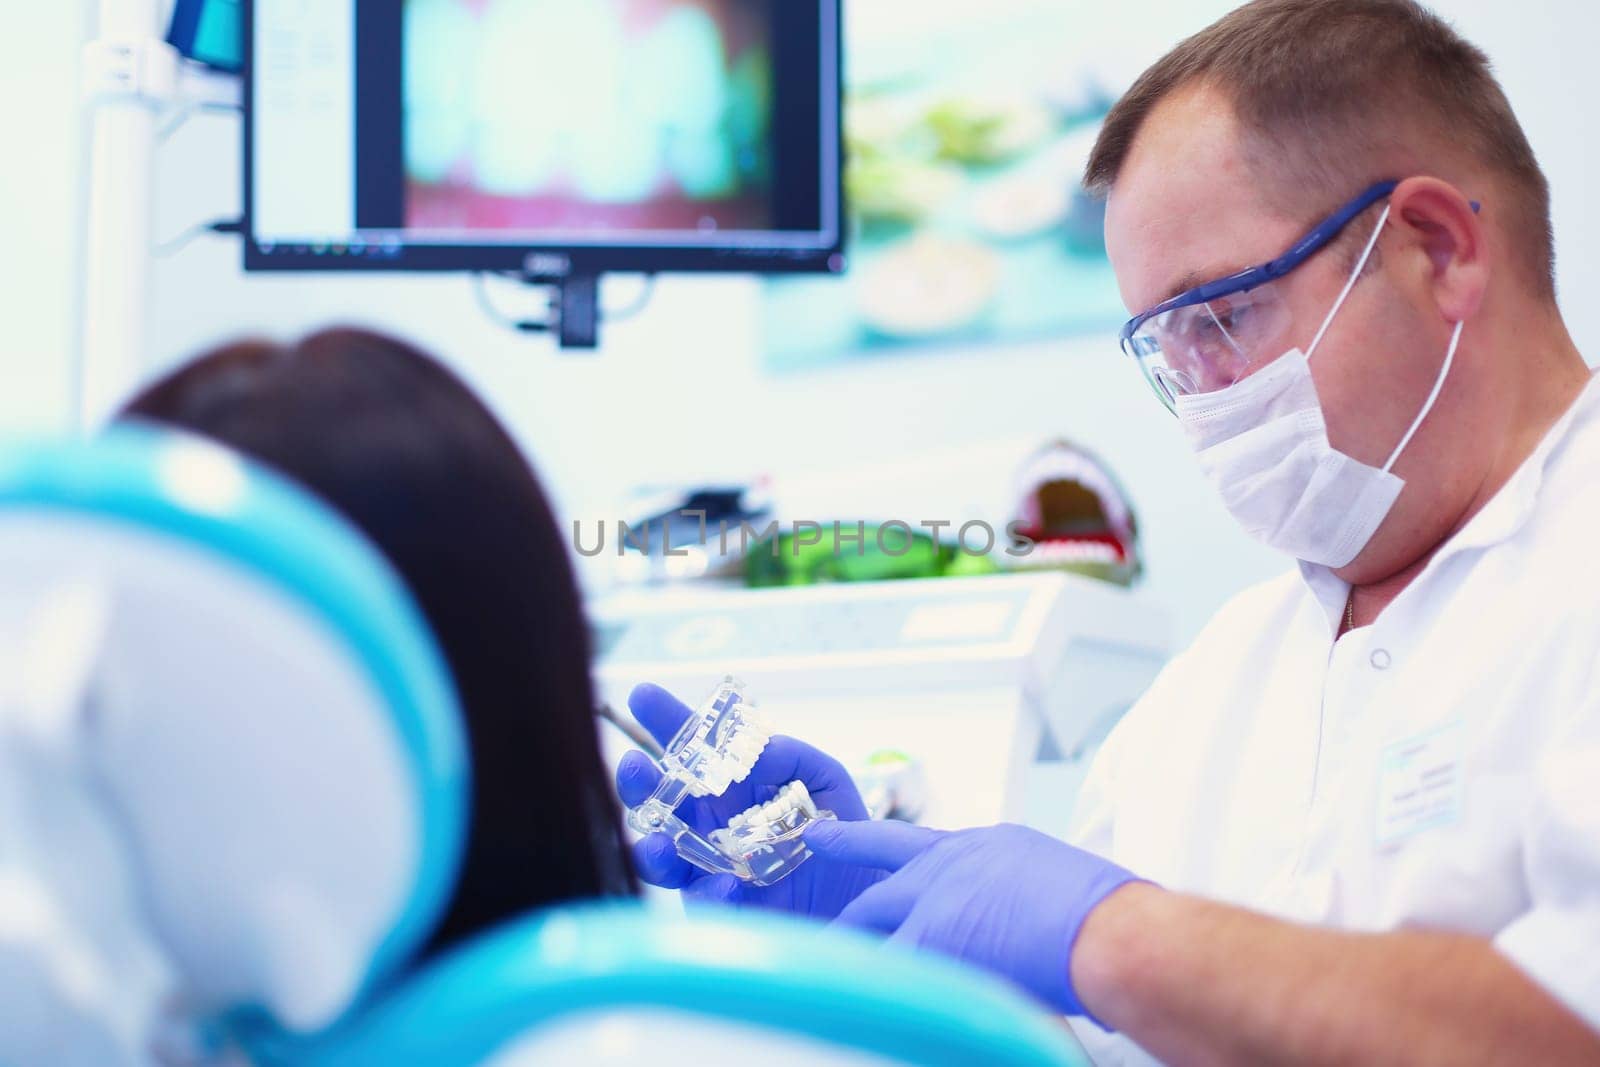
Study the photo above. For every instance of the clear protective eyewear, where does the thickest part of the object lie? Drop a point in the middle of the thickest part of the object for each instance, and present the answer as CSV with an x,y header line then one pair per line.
x,y
1209,337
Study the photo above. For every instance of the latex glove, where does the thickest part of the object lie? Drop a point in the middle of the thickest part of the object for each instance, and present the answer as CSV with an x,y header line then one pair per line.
x,y
1006,898
815,889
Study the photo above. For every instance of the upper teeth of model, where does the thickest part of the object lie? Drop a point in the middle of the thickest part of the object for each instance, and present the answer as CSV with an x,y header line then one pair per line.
x,y
732,760
792,797
1076,467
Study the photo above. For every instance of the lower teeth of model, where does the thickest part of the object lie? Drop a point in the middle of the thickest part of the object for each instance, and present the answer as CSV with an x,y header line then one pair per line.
x,y
792,797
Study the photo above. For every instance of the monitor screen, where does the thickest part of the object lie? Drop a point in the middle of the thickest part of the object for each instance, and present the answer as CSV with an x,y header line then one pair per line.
x,y
547,137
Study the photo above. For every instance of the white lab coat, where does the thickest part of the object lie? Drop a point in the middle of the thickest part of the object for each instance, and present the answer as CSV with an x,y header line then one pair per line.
x,y
1439,768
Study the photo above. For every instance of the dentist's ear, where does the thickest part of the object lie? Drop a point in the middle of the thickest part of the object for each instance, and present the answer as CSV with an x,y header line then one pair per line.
x,y
1453,238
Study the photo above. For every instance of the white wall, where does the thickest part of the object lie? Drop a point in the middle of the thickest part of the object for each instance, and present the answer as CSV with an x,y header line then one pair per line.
x,y
641,409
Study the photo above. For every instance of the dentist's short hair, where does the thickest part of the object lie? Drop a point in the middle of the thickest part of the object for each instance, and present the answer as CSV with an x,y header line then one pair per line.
x,y
1335,94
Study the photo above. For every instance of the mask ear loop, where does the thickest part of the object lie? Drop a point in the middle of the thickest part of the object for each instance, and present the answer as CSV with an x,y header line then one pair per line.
x,y
1350,282
1438,384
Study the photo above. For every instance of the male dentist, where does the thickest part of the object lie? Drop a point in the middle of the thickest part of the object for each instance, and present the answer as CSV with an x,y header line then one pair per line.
x,y
1359,819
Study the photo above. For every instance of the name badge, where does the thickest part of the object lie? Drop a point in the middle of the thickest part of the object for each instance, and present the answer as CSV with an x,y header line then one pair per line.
x,y
1420,783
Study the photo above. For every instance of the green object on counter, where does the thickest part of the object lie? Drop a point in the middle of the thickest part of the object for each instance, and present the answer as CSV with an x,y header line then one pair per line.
x,y
832,554
967,565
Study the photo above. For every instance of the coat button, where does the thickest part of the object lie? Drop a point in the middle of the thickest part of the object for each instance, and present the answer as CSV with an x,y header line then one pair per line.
x,y
1380,659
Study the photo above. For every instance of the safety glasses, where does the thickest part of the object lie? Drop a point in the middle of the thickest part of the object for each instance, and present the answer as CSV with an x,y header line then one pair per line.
x,y
1213,335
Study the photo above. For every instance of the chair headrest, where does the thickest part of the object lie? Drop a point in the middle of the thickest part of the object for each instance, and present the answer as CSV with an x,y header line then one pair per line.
x,y
271,724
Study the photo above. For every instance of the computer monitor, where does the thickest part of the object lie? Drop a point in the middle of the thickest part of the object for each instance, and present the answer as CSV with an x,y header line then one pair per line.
x,y
548,138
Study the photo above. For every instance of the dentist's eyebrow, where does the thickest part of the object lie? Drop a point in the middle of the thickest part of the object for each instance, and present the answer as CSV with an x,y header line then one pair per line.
x,y
1182,285
1194,278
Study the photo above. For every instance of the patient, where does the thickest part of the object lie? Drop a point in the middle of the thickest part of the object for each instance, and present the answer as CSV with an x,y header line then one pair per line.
x,y
403,449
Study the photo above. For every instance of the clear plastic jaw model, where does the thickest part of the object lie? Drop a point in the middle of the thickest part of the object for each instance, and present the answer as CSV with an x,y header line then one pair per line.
x,y
717,746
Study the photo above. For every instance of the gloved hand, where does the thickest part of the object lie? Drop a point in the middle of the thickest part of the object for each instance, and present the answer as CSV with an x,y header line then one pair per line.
x,y
1006,898
815,889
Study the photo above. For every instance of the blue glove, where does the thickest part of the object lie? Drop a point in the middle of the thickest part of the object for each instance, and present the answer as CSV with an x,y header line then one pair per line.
x,y
815,889
1006,898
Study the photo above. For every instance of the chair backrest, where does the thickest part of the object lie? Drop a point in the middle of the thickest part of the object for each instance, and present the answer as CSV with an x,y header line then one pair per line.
x,y
606,985
266,720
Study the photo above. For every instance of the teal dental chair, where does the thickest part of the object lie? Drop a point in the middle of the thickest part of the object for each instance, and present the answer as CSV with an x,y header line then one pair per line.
x,y
233,798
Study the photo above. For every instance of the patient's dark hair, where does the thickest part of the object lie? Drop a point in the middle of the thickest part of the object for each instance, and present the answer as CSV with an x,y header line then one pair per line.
x,y
402,448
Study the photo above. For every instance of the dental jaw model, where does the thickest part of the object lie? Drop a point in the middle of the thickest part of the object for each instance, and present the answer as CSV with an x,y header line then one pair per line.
x,y
716,747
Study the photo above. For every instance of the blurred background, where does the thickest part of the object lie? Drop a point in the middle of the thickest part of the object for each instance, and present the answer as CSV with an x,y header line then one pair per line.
x,y
708,383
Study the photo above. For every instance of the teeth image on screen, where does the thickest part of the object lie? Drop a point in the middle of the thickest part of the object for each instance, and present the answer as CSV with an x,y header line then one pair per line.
x,y
604,114
475,134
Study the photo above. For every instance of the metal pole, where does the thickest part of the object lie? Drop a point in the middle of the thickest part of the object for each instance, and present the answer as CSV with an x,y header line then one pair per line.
x,y
130,73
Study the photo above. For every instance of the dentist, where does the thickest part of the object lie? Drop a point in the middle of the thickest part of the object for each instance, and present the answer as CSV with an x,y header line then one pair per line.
x,y
1359,818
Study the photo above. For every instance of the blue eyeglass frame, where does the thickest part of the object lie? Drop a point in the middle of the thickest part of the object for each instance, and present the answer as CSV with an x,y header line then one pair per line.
x,y
1251,277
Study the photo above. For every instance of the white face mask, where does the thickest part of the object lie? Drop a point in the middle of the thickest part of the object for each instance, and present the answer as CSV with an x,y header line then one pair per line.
x,y
1263,444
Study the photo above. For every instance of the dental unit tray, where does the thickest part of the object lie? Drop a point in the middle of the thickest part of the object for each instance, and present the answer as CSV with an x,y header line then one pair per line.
x,y
717,746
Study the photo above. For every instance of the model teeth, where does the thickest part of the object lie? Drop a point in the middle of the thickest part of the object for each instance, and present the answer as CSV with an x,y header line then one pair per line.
x,y
743,737
1069,551
790,799
1077,467
761,844
744,746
